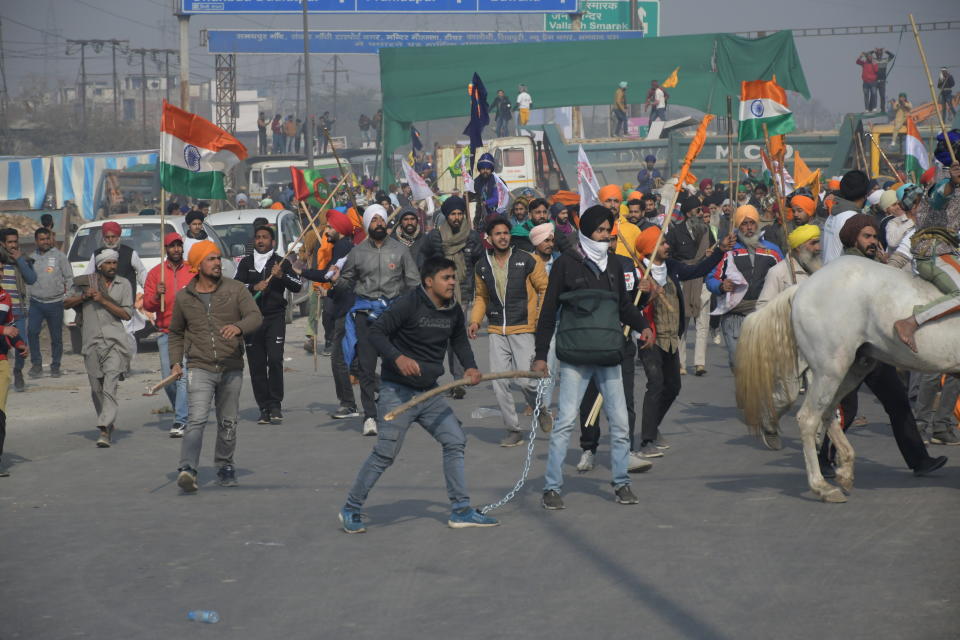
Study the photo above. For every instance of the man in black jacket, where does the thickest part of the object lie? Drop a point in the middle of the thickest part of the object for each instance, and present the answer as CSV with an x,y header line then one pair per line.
x,y
268,276
661,362
587,269
412,337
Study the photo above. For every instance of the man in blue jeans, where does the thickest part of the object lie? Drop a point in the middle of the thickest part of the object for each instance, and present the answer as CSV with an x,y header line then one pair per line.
x,y
54,278
587,268
412,337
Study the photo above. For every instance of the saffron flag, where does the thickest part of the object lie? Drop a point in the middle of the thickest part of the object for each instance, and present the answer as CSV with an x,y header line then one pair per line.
x,y
195,154
672,80
694,150
915,160
764,102
479,115
587,183
421,190
801,172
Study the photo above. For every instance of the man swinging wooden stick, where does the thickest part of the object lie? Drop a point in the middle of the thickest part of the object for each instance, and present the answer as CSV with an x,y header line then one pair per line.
x,y
411,337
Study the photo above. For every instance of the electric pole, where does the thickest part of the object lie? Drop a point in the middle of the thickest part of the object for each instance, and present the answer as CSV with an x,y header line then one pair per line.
x,y
4,98
336,72
71,44
306,86
183,20
98,46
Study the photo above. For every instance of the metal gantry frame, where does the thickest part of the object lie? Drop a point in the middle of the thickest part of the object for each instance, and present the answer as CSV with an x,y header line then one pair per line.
x,y
226,88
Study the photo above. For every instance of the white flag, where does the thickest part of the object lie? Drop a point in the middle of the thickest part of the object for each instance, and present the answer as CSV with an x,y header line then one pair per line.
x,y
465,172
587,183
421,190
503,195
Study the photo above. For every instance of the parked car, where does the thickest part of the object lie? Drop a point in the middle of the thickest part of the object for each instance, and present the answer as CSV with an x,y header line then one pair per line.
x,y
143,235
236,230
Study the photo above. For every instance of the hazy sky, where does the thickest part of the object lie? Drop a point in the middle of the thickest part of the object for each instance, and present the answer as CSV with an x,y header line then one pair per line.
x,y
828,61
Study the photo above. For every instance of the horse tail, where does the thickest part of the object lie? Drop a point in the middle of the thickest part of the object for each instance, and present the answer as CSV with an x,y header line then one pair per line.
x,y
766,358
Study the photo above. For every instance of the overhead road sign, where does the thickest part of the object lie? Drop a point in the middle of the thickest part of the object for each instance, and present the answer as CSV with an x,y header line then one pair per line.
x,y
225,7
608,15
290,41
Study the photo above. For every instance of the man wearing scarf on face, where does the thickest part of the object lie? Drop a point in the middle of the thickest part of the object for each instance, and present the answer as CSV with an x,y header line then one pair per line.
x,y
587,272
105,301
378,270
749,261
409,233
455,240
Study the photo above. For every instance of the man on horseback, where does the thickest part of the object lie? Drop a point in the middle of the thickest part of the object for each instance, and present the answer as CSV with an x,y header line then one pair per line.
x,y
934,246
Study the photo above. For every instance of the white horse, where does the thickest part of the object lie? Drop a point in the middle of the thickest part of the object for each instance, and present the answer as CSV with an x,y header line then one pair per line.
x,y
841,322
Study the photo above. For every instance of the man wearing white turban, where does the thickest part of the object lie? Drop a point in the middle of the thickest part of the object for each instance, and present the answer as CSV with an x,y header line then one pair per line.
x,y
105,302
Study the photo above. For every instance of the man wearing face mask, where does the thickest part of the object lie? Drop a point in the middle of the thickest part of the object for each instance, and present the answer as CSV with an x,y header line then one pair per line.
x,y
105,301
378,270
739,278
586,284
455,240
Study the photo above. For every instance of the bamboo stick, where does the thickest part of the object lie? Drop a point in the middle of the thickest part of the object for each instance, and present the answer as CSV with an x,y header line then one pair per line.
x,y
933,93
152,390
896,173
423,397
781,204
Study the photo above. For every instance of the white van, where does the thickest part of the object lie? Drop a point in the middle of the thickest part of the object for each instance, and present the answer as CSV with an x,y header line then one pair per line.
x,y
265,174
143,235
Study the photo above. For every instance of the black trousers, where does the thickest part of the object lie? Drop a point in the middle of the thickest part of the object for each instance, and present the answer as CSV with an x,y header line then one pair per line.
x,y
366,360
590,436
889,389
3,430
662,369
338,366
265,357
328,320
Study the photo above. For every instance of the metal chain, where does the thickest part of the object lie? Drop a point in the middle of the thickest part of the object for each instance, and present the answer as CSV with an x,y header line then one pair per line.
x,y
542,385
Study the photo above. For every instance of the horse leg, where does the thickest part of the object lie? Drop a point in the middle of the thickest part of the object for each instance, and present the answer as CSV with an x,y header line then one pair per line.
x,y
819,399
845,454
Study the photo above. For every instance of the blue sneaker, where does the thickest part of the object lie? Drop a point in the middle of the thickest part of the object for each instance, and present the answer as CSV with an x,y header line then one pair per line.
x,y
470,517
352,521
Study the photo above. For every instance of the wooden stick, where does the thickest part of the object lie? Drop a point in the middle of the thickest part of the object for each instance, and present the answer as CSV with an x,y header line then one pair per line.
x,y
730,146
152,390
457,383
343,174
896,173
304,232
933,93
781,204
863,155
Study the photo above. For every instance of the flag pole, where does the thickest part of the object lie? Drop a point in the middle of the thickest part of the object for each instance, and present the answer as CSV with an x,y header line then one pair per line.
x,y
730,144
863,155
781,205
343,174
933,94
163,228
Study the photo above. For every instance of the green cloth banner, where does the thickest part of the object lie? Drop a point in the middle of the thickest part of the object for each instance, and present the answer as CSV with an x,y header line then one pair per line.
x,y
431,82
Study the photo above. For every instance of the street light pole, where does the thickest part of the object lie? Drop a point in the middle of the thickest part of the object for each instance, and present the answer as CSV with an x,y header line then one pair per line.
x,y
306,86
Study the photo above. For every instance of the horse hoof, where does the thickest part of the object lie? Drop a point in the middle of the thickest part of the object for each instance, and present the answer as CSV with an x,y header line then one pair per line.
x,y
845,482
834,495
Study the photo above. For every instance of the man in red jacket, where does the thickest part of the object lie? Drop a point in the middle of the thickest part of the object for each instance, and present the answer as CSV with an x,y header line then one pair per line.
x,y
176,275
869,70
9,337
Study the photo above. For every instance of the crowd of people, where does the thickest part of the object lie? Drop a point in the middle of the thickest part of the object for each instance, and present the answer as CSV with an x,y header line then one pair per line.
x,y
583,296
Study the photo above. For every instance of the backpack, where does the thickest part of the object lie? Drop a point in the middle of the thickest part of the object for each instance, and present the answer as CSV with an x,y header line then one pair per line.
x,y
589,330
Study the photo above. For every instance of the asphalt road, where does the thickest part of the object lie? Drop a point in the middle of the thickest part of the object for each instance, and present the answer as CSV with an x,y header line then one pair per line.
x,y
726,543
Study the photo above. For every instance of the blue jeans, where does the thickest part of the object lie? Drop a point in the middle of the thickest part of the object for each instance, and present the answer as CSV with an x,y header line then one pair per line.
x,y
434,415
52,313
573,384
176,392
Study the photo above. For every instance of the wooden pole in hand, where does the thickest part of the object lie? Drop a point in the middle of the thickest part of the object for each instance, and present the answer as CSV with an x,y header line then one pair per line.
x,y
781,205
163,248
733,194
933,93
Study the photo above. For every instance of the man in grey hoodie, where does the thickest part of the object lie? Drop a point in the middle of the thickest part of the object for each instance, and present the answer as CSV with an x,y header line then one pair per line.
x,y
54,279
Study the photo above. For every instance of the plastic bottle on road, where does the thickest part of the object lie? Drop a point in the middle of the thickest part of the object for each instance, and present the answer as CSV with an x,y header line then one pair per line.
x,y
210,617
485,412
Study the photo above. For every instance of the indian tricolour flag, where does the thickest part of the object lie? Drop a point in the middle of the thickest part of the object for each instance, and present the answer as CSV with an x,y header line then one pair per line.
x,y
915,158
764,102
195,154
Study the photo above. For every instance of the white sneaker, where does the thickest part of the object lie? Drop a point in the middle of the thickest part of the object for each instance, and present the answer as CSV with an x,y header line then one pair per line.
x,y
636,463
369,427
586,461
176,431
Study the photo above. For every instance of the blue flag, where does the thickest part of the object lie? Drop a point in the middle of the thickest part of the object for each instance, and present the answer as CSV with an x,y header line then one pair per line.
x,y
479,115
415,142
